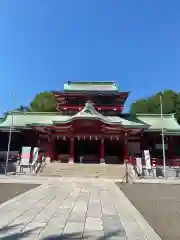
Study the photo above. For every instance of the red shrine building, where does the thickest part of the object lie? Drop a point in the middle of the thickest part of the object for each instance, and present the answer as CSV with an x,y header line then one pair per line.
x,y
90,127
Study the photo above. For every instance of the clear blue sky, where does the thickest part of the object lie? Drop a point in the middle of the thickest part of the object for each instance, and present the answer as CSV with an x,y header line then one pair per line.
x,y
43,43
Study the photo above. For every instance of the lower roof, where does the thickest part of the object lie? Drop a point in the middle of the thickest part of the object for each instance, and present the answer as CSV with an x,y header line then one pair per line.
x,y
148,122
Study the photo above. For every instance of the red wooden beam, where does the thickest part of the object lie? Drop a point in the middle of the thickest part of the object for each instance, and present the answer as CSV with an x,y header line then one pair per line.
x,y
97,107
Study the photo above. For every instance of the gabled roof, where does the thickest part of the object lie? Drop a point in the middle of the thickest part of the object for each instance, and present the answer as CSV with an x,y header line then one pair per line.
x,y
140,121
89,112
29,119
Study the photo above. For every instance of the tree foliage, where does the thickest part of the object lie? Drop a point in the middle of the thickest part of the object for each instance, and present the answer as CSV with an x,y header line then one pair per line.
x,y
44,102
170,100
23,109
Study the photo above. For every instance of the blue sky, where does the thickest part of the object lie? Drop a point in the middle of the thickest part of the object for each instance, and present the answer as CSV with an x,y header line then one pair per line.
x,y
44,43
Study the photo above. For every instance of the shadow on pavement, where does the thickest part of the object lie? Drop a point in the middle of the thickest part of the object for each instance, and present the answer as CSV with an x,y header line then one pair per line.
x,y
13,232
110,235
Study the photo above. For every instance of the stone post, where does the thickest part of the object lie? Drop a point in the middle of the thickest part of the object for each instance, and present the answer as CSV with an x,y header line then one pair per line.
x,y
71,159
102,160
126,152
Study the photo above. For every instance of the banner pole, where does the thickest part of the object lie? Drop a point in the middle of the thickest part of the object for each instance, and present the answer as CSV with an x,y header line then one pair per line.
x,y
10,137
162,134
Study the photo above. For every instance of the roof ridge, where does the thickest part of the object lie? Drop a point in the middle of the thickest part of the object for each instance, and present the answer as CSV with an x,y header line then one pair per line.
x,y
33,113
88,108
91,82
155,114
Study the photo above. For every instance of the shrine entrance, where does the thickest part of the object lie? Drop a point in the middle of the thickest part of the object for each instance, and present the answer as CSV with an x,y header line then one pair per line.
x,y
87,151
62,149
114,151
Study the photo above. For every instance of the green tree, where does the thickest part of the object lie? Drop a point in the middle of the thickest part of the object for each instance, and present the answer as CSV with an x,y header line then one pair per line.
x,y
178,107
44,102
23,109
170,99
140,106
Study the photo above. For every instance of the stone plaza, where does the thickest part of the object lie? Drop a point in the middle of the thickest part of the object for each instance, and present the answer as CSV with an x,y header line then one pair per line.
x,y
67,208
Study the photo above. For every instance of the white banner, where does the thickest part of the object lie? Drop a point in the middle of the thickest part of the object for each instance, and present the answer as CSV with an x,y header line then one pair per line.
x,y
147,159
25,156
139,165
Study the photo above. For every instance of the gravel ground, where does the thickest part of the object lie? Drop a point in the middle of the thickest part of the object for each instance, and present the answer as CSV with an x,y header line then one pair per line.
x,y
11,190
159,204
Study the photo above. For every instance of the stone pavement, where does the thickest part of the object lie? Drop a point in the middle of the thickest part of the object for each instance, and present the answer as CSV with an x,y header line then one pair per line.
x,y
73,209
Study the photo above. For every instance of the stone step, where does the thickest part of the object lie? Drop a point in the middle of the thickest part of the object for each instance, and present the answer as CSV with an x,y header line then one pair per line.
x,y
83,170
89,171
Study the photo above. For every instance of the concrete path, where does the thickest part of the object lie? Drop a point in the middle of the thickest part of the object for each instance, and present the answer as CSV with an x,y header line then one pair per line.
x,y
72,209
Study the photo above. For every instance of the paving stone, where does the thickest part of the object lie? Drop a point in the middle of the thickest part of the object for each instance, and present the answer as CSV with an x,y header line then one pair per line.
x,y
62,211
52,230
111,223
108,209
73,230
77,217
92,235
34,228
118,237
94,210
62,219
47,212
80,207
71,207
94,224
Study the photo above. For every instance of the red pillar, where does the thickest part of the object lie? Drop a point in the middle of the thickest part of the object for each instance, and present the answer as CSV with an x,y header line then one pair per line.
x,y
71,159
102,160
170,147
126,152
142,143
49,152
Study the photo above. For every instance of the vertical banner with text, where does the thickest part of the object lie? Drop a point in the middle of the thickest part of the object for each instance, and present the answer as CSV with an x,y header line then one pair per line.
x,y
139,165
147,159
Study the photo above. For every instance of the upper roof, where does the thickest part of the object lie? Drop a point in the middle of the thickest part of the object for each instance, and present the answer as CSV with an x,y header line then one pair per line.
x,y
76,86
140,121
84,91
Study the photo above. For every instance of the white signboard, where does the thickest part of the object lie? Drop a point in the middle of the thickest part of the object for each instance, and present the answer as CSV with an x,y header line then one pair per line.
x,y
25,156
147,159
139,165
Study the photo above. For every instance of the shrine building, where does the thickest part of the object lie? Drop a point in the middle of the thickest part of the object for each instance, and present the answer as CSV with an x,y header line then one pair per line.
x,y
91,127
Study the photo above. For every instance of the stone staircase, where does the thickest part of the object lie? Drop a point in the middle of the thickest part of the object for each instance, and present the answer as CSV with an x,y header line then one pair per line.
x,y
111,171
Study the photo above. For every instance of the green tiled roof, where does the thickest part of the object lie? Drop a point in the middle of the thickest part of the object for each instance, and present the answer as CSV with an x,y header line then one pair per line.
x,y
168,123
24,119
91,86
88,112
140,121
